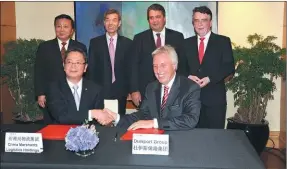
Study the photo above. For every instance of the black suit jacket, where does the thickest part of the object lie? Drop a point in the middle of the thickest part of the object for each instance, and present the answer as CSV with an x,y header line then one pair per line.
x,y
62,106
49,64
181,111
217,64
141,58
100,69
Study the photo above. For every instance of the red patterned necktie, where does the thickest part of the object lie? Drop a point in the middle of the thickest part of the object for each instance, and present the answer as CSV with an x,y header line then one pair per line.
x,y
158,40
164,99
201,50
63,51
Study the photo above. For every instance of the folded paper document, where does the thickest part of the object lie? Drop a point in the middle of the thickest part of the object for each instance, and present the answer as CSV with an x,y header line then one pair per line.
x,y
111,105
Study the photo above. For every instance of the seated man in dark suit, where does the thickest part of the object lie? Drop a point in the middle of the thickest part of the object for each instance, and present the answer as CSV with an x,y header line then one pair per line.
x,y
172,102
73,99
49,59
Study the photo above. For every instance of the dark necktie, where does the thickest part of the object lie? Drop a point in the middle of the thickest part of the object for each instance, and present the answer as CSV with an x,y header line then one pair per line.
x,y
158,40
164,99
201,50
63,51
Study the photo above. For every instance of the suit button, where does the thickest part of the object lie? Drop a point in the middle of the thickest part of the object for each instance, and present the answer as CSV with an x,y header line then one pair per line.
x,y
199,70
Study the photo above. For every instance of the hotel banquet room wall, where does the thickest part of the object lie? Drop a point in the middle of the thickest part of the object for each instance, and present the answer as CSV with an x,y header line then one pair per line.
x,y
235,19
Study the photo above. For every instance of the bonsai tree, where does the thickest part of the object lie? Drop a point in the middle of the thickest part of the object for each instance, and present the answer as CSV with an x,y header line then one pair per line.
x,y
17,71
253,84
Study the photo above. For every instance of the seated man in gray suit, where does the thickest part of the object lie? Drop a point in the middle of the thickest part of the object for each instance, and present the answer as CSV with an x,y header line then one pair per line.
x,y
172,102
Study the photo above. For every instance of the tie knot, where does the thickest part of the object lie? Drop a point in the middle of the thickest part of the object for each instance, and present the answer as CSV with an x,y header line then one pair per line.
x,y
202,39
75,87
158,34
111,39
64,43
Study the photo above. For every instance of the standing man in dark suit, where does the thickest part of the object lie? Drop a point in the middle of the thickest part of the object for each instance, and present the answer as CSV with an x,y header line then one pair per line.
x,y
144,44
74,99
49,59
171,102
209,61
108,62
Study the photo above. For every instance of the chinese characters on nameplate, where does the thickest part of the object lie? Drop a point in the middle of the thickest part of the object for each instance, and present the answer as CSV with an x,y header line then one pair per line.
x,y
23,142
157,144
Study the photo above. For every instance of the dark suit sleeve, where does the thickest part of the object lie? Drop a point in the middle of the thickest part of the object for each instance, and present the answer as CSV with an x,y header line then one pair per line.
x,y
39,78
134,64
190,112
60,109
142,114
227,68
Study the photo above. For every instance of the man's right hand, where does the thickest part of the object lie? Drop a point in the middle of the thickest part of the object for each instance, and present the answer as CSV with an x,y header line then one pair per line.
x,y
42,101
101,116
136,98
194,78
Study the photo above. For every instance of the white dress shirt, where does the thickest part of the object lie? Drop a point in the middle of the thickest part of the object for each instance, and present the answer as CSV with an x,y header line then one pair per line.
x,y
60,44
162,36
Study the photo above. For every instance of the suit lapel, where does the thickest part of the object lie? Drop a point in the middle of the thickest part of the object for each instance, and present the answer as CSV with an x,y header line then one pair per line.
x,y
172,95
208,49
118,52
157,92
168,39
68,92
84,98
152,40
57,49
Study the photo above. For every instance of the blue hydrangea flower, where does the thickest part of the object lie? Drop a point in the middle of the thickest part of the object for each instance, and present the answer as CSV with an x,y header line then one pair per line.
x,y
81,138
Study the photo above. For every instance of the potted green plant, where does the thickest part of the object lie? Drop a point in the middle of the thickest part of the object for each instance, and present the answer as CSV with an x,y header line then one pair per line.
x,y
253,85
17,71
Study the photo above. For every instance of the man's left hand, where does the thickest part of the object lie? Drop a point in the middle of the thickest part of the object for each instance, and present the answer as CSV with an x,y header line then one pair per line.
x,y
204,81
142,124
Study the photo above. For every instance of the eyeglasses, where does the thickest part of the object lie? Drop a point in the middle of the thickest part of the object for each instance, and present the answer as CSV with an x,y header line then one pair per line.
x,y
197,21
69,63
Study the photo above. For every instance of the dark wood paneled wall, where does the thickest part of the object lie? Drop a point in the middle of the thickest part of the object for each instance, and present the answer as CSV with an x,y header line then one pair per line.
x,y
8,33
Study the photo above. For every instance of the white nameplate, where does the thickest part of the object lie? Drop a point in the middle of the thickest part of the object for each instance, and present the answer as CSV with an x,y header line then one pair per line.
x,y
23,142
157,144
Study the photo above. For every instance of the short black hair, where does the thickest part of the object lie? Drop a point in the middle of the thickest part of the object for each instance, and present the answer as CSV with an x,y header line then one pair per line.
x,y
156,7
64,16
204,10
75,49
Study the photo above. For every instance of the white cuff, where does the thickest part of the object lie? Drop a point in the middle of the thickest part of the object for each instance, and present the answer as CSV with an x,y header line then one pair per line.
x,y
155,123
208,79
117,120
90,116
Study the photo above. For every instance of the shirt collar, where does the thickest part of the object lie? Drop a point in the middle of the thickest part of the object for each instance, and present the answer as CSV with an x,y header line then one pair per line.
x,y
206,36
71,85
115,37
162,32
60,42
170,83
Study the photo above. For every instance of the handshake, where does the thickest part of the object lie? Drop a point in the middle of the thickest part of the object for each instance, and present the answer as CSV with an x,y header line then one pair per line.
x,y
104,116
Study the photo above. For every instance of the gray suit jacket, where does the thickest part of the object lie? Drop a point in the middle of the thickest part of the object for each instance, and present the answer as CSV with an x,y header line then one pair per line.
x,y
181,111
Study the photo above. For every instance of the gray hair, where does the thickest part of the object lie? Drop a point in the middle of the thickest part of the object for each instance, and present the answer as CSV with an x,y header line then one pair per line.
x,y
169,50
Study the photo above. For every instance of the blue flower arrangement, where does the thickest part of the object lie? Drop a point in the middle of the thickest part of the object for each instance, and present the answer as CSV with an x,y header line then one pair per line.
x,y
82,138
